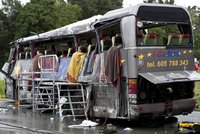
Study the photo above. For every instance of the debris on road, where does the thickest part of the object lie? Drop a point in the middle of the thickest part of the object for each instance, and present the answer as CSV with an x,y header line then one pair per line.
x,y
85,123
189,127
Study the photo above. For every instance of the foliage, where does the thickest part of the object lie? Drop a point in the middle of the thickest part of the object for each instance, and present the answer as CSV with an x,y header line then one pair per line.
x,y
195,16
197,94
12,9
8,16
2,87
44,15
94,7
38,16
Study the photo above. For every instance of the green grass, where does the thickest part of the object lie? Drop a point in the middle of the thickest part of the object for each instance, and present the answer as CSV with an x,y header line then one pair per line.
x,y
2,92
197,94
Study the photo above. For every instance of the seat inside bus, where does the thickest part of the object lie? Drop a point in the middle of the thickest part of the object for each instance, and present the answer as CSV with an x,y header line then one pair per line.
x,y
174,39
64,53
106,43
113,40
22,66
54,70
152,39
118,40
59,53
47,52
69,52
90,49
28,55
22,55
62,69
185,39
51,69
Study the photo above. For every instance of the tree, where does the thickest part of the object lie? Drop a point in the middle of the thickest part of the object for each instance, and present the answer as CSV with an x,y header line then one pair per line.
x,y
8,16
43,15
94,7
37,16
12,9
195,17
4,34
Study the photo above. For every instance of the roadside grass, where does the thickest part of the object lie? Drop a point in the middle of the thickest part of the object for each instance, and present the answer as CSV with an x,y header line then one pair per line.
x,y
2,93
197,95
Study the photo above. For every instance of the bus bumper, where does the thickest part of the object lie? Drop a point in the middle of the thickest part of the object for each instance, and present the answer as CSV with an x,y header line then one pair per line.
x,y
176,107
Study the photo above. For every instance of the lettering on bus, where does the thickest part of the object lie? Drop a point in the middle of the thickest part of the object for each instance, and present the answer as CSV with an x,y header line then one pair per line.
x,y
164,63
164,54
161,55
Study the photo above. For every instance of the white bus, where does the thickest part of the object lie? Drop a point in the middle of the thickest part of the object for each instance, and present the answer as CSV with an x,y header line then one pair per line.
x,y
140,65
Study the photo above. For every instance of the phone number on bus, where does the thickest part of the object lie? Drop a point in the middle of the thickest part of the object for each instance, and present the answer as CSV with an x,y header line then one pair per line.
x,y
172,63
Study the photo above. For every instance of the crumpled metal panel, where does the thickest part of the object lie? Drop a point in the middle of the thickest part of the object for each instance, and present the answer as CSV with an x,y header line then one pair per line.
x,y
106,101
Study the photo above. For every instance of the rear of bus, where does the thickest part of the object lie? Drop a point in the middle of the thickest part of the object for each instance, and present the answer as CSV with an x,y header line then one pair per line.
x,y
159,51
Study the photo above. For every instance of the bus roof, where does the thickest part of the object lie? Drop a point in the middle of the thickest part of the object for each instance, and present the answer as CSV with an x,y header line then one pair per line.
x,y
143,11
134,10
74,28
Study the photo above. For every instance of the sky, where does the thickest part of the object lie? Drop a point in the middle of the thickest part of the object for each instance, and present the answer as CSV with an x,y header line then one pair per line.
x,y
127,3
184,3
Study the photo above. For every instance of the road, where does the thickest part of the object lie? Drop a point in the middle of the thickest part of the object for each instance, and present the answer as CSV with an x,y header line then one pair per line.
x,y
24,121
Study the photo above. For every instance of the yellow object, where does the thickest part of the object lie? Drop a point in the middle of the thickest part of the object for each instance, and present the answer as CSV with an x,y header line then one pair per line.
x,y
17,69
122,61
141,57
188,124
75,66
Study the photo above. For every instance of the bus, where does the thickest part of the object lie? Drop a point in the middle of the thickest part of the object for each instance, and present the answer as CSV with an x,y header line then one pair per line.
x,y
141,63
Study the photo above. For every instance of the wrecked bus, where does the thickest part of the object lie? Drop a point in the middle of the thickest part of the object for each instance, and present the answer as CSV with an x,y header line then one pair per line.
x,y
156,69
139,62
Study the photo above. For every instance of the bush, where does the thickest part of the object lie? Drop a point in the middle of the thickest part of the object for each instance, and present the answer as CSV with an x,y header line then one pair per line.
x,y
2,87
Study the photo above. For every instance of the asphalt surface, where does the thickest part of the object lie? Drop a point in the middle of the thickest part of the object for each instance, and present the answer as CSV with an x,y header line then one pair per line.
x,y
24,121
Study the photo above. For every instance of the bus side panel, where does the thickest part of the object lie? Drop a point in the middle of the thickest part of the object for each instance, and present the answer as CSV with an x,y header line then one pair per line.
x,y
132,63
131,68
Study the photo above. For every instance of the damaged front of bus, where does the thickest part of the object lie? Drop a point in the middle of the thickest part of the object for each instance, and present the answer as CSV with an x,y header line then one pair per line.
x,y
160,61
